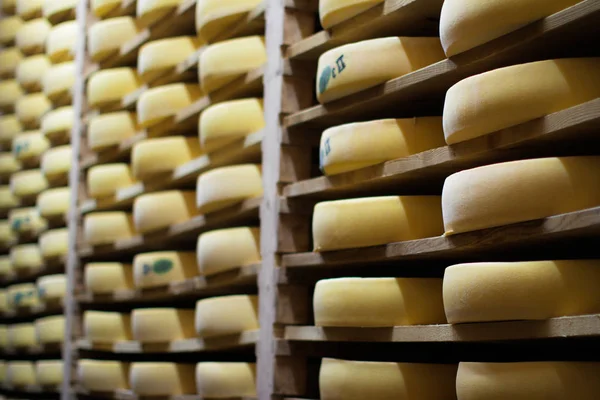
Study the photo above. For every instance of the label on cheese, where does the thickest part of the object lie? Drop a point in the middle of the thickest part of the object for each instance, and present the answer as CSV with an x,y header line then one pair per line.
x,y
30,144
159,103
162,379
223,187
107,277
152,157
23,295
106,37
162,325
110,129
26,220
106,327
226,315
213,17
106,179
217,380
161,268
160,210
107,227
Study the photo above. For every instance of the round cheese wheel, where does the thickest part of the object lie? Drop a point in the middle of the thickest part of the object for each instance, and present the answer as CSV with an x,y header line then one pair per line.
x,y
62,41
110,129
107,277
152,157
31,37
22,336
103,375
528,381
509,96
54,202
226,315
5,304
106,179
3,337
52,8
213,249
151,57
372,221
223,62
50,329
103,7
8,165
56,162
20,373
10,93
7,235
517,191
162,325
9,127
215,16
10,59
7,199
106,327
6,267
49,372
23,295
161,268
57,124
28,9
59,80
333,12
26,257
148,11
111,85
23,220
106,37
378,302
107,227
31,108
162,378
30,144
52,287
223,187
157,104
354,67
54,243
9,26
217,127
27,183
219,380
159,210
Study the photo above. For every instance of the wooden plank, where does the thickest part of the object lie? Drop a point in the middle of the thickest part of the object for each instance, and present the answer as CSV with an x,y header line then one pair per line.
x,y
53,307
50,267
129,395
114,153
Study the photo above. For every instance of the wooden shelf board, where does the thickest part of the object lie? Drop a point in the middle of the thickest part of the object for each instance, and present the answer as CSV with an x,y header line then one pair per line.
x,y
127,7
62,16
48,349
114,153
55,266
129,395
542,137
54,307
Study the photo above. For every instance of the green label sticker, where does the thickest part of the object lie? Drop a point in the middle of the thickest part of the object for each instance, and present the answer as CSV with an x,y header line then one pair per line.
x,y
162,266
324,79
331,72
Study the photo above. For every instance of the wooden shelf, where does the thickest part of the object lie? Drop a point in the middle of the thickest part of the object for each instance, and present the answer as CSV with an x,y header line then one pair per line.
x,y
55,266
40,310
542,137
129,395
127,103
114,153
50,349
127,7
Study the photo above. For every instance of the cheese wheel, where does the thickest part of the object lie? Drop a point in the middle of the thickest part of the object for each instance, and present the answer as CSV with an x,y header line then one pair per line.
x,y
226,315
3,376
31,37
372,221
31,108
152,157
10,93
162,325
103,7
151,57
4,301
20,373
378,302
54,202
528,381
106,37
219,380
26,257
6,267
106,327
28,183
517,191
51,8
107,130
7,235
49,372
509,96
223,62
213,249
107,227
3,336
24,220
215,16
333,12
357,380
59,80
7,199
9,127
533,290
354,67
162,379
111,85
161,268
62,41
157,104
27,9
10,59
106,179
50,329
9,26
57,124
154,211
217,127
54,243
147,11
102,375
107,277
8,165
56,162
354,146
223,187
23,295
52,287
21,336
30,144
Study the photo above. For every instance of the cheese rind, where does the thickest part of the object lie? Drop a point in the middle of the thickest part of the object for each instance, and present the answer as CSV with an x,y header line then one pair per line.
x,y
56,162
333,12
354,146
151,57
223,187
226,315
106,179
54,243
510,96
157,104
57,124
159,210
213,17
26,183
31,37
31,108
21,336
49,372
61,42
358,66
528,381
148,11
9,27
111,85
10,126
518,191
5,304
30,144
103,278
26,257
102,7
58,81
52,287
20,373
107,227
6,268
162,379
54,202
10,59
8,165
372,221
213,249
357,380
23,295
161,268
26,220
7,199
53,7
50,329
7,235
106,327
378,302
103,376
162,325
152,157
27,9
10,93
217,380
110,129
106,37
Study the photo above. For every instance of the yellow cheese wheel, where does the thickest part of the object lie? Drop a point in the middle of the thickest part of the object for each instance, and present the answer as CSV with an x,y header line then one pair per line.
x,y
26,257
29,8
213,249
226,186
31,37
333,12
106,327
50,329
216,16
509,96
152,157
217,127
221,380
28,183
162,379
159,210
52,287
223,62
226,315
54,202
107,277
157,104
3,337
9,26
106,37
371,221
7,199
31,108
378,302
23,220
7,235
354,67
102,375
62,41
162,325
111,85
528,381
59,80
30,144
6,267
358,145
106,179
10,93
102,7
49,372
56,162
10,126
161,268
8,165
151,57
20,373
532,290
148,11
22,336
51,8
10,59
107,130
23,295
57,124
107,227
54,243
517,191
4,302
357,380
